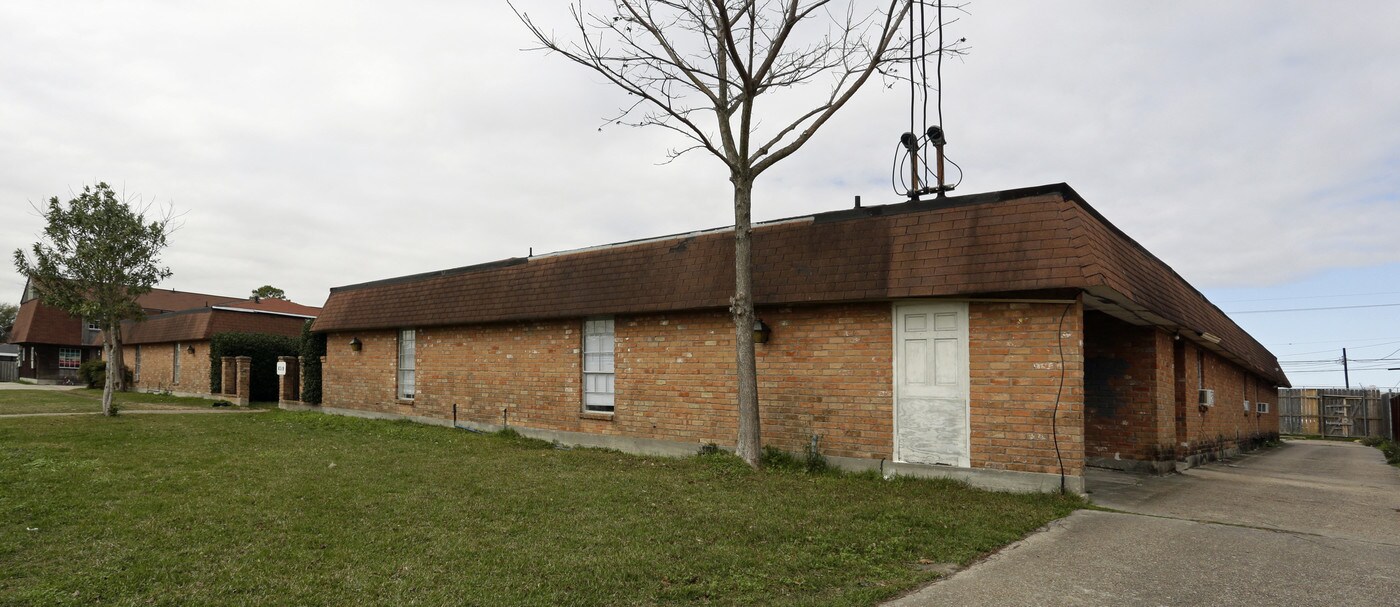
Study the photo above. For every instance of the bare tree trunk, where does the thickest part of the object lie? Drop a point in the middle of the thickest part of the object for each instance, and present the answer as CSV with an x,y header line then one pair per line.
x,y
110,382
118,361
749,446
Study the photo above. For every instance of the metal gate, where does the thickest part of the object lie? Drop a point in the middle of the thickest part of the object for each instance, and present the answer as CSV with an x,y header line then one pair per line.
x,y
1334,412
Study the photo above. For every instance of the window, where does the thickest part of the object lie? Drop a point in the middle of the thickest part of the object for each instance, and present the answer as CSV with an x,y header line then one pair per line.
x,y
92,326
598,378
1262,407
175,364
32,356
136,373
408,339
69,358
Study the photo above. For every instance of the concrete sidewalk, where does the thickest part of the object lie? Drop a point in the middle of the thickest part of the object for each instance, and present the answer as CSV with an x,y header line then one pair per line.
x,y
125,411
1311,523
14,385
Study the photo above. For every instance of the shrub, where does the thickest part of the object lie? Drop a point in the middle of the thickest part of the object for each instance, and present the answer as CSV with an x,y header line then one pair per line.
x,y
262,348
313,347
94,373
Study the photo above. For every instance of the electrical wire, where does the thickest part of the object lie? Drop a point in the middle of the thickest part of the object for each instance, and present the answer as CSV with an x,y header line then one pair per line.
x,y
923,73
1384,305
1055,413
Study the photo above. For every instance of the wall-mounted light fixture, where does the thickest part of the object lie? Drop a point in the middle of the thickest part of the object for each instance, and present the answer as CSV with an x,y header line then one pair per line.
x,y
190,349
1210,337
355,344
761,331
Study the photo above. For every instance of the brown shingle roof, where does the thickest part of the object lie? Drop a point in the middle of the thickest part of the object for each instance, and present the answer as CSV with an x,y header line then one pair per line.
x,y
39,324
281,306
170,300
202,324
1032,240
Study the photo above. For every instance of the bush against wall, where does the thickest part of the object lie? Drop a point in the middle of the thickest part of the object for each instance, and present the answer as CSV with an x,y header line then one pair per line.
x,y
262,348
313,347
94,373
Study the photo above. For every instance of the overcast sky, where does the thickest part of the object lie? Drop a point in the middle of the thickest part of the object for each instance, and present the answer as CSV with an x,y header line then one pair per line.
x,y
1253,146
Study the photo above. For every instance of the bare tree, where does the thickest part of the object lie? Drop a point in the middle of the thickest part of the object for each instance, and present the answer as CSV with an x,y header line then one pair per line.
x,y
700,67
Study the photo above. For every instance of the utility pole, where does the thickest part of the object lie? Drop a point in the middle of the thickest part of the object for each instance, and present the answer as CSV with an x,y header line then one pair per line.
x,y
1346,372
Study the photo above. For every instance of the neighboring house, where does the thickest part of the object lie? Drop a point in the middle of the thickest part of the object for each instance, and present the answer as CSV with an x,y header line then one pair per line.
x,y
170,352
54,343
9,353
1008,339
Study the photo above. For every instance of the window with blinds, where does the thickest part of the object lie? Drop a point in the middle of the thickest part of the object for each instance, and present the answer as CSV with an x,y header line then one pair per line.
x,y
598,379
407,380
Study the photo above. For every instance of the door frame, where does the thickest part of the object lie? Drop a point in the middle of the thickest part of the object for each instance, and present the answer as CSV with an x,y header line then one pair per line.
x,y
895,359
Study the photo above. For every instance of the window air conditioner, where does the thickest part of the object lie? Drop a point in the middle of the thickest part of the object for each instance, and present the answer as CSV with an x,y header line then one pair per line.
x,y
1206,398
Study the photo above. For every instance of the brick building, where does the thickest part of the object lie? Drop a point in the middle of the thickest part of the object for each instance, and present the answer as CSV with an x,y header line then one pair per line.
x,y
1008,339
54,343
171,352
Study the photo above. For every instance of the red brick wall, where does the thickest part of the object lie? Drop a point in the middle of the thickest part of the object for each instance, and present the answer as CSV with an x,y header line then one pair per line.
x,y
828,371
157,366
1016,370
1225,424
1129,412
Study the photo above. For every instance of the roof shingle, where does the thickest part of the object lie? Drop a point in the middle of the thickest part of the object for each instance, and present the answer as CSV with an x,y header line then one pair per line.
x,y
1042,239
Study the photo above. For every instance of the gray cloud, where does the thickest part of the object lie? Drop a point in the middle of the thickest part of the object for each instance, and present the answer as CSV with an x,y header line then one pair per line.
x,y
317,144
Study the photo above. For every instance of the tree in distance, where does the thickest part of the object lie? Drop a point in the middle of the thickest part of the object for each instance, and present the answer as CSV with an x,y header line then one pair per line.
x,y
269,292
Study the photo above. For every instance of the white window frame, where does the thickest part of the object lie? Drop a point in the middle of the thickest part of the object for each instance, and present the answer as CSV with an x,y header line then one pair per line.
x,y
1261,407
599,356
175,364
136,373
407,369
78,352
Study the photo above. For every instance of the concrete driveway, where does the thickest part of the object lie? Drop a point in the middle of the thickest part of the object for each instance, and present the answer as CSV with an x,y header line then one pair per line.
x,y
1311,523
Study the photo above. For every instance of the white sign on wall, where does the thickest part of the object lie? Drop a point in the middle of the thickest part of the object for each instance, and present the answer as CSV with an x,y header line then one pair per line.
x,y
281,367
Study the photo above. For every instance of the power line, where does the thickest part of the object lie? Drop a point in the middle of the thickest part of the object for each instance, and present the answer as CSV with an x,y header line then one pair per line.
x,y
1388,343
1309,297
1334,341
1384,305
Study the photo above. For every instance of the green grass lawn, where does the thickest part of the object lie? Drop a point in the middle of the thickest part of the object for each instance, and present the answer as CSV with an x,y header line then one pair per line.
x,y
310,509
89,401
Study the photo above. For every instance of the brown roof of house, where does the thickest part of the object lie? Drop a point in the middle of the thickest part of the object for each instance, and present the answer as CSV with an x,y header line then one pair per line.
x,y
204,323
36,323
280,306
1042,239
41,324
170,300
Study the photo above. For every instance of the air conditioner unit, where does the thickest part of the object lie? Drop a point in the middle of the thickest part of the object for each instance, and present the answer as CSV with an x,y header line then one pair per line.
x,y
1261,407
1206,398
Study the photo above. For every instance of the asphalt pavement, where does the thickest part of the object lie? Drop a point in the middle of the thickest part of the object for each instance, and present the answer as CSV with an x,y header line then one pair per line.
x,y
1309,523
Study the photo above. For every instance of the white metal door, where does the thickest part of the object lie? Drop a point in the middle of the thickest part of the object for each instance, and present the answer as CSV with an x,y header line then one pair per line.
x,y
931,383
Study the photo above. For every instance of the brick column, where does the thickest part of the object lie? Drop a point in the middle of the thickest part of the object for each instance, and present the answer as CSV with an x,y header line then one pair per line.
x,y
228,382
245,379
289,385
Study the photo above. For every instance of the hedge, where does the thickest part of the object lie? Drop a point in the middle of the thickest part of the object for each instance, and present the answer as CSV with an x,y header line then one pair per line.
x,y
262,348
313,347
